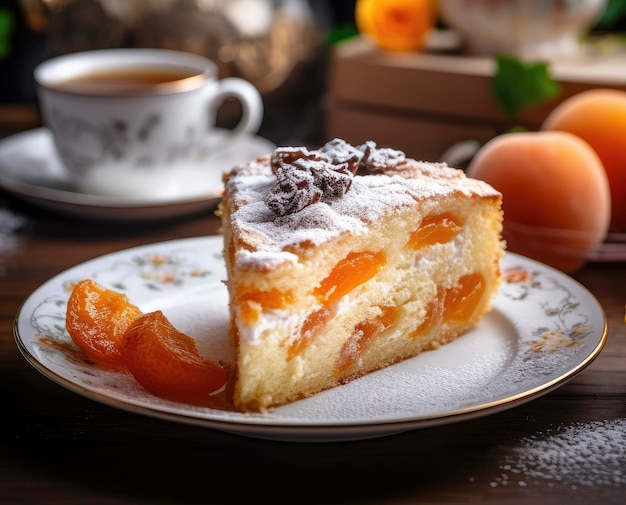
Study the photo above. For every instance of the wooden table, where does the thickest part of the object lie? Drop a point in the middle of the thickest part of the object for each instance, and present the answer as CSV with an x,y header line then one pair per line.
x,y
58,447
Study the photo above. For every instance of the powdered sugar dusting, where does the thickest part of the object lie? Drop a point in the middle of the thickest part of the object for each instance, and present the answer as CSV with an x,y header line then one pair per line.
x,y
375,159
578,454
400,183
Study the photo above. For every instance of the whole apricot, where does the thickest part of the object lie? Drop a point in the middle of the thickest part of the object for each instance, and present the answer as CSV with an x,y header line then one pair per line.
x,y
555,192
598,116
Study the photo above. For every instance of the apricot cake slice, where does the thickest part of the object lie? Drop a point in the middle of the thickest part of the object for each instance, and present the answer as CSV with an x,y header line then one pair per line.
x,y
344,260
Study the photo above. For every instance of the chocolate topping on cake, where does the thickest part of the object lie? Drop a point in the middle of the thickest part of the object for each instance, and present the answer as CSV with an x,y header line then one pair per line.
x,y
306,177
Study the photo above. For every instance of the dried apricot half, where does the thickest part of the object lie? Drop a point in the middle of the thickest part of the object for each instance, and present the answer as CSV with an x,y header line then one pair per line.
x,y
166,361
352,271
97,319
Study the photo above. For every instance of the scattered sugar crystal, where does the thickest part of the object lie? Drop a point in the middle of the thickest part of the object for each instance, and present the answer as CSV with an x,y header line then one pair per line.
x,y
581,454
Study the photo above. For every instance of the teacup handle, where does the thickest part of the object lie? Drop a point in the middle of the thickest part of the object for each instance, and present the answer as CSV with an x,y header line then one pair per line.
x,y
251,103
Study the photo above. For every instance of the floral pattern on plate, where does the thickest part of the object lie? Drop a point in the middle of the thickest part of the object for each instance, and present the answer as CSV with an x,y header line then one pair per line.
x,y
544,329
566,325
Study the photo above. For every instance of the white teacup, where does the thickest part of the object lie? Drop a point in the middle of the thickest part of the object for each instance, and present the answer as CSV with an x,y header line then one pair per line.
x,y
138,122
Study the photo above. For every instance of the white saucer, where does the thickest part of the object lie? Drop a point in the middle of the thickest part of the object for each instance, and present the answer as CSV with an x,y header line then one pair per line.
x,y
31,170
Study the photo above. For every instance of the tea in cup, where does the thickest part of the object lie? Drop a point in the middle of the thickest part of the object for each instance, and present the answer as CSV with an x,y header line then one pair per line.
x,y
139,122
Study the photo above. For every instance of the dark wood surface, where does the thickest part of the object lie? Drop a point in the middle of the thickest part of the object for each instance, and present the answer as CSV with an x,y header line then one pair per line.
x,y
58,447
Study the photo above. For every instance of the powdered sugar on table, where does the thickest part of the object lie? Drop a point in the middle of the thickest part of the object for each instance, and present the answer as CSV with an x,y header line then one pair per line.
x,y
580,454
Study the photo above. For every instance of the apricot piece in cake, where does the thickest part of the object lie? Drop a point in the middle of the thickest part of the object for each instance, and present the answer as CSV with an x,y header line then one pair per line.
x,y
97,319
352,271
434,312
254,302
457,303
362,335
311,326
437,229
462,299
166,361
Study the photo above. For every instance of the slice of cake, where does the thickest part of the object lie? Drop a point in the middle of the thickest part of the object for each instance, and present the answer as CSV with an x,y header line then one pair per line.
x,y
344,260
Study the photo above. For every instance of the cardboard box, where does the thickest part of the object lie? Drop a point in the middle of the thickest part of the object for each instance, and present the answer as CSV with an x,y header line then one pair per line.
x,y
422,103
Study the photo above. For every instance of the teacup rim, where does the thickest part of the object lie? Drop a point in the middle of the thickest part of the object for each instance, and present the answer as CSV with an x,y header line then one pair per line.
x,y
122,57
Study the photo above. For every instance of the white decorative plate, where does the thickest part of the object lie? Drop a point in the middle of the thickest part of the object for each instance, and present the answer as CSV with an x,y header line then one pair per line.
x,y
31,170
544,329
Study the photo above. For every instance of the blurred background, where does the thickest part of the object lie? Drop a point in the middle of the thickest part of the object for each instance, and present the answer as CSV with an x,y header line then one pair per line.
x,y
281,46
284,47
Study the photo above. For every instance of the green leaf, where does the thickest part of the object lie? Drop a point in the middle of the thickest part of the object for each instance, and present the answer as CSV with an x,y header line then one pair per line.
x,y
6,32
612,16
518,86
340,33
